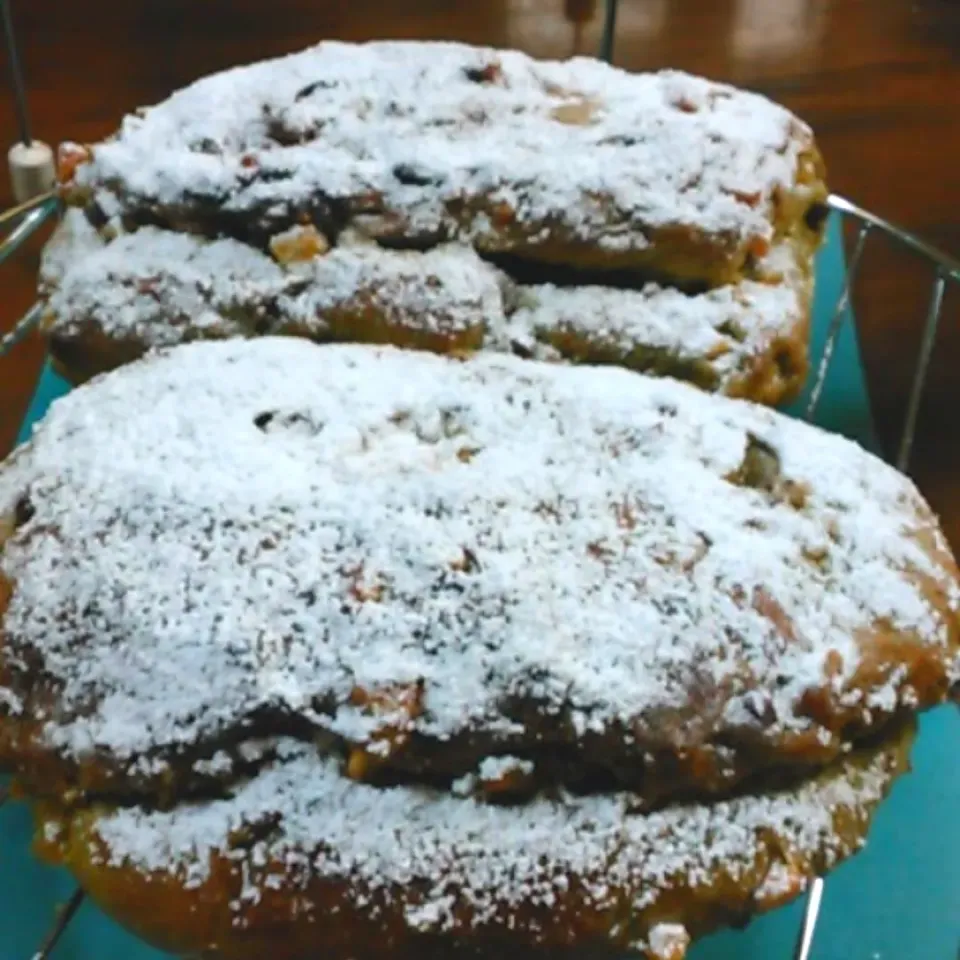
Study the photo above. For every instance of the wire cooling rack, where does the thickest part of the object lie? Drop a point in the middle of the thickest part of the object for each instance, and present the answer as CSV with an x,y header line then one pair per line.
x,y
23,221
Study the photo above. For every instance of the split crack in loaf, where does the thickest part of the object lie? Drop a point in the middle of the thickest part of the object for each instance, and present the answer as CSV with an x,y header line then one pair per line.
x,y
657,221
475,653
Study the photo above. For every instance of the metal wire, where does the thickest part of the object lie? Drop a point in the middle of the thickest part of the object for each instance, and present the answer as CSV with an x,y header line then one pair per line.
x,y
32,216
22,329
920,372
840,313
946,263
946,270
27,226
16,75
15,213
608,37
64,915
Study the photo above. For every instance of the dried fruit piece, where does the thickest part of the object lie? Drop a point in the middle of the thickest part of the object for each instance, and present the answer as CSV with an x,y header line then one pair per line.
x,y
298,244
576,113
396,708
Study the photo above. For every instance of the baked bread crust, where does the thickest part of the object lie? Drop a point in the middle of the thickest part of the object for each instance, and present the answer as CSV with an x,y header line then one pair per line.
x,y
107,304
573,162
426,562
300,862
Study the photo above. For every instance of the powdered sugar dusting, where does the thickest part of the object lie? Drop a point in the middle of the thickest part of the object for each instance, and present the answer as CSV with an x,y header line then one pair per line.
x,y
432,850
320,518
780,883
723,327
494,768
415,131
448,290
161,288
73,239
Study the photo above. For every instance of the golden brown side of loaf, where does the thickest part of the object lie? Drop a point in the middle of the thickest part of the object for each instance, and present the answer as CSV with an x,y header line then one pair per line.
x,y
301,862
109,303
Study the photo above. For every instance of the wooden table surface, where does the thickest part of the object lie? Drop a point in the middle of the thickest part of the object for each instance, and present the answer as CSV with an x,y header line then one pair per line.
x,y
879,80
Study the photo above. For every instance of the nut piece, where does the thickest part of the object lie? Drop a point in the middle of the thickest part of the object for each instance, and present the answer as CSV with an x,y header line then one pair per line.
x,y
760,468
576,113
396,708
299,244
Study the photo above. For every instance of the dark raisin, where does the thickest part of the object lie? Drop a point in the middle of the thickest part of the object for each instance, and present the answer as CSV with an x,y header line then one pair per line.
x,y
761,466
24,511
274,176
252,832
787,364
816,216
620,140
312,88
487,74
95,216
270,421
206,145
732,329
280,133
411,176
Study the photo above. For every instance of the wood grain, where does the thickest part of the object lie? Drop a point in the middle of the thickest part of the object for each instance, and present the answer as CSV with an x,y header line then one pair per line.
x,y
878,79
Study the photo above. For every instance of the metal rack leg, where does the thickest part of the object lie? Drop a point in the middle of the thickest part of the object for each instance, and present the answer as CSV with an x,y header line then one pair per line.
x,y
836,323
920,373
810,916
609,31
66,913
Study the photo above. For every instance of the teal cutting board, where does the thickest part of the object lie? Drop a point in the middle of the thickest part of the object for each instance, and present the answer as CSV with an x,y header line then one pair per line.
x,y
898,900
